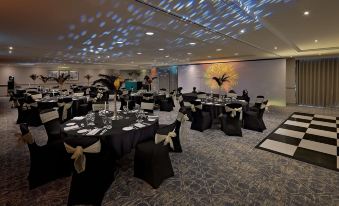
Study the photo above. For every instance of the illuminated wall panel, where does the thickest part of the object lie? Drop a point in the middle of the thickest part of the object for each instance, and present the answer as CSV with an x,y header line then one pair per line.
x,y
265,77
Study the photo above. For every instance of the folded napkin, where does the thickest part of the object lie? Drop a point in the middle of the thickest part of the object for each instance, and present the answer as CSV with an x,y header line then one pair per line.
x,y
153,116
94,131
78,118
139,125
71,128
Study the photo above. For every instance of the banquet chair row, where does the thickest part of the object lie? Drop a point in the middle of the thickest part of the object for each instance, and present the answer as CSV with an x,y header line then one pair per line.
x,y
53,161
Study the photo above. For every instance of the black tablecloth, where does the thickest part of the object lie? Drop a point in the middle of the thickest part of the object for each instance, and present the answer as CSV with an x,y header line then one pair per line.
x,y
217,108
188,97
119,141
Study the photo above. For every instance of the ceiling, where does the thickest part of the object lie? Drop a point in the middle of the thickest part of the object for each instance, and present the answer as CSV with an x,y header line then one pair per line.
x,y
113,32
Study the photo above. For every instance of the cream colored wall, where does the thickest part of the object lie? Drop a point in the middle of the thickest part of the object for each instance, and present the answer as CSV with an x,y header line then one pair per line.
x,y
22,73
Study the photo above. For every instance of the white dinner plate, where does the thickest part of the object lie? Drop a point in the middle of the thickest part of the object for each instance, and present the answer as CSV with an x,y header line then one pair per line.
x,y
82,131
127,128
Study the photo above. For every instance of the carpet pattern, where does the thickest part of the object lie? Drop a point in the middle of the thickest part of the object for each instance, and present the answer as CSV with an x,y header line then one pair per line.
x,y
214,169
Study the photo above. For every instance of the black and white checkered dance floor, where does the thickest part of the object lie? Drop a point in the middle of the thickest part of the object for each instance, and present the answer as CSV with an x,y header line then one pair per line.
x,y
310,138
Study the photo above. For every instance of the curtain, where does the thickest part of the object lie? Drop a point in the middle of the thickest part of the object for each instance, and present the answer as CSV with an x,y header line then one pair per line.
x,y
318,82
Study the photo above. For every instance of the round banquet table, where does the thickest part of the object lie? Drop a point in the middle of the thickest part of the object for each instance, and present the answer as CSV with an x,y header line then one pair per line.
x,y
217,108
117,140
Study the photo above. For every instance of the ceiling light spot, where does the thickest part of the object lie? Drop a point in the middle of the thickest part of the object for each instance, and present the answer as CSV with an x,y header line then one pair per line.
x,y
218,49
242,31
192,43
189,53
139,53
10,51
161,49
306,13
149,33
275,48
316,41
236,54
119,42
209,57
10,48
167,56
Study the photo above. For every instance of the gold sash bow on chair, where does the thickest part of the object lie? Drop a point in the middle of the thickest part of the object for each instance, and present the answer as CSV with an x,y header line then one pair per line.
x,y
168,138
25,139
234,111
263,106
66,107
183,130
49,116
193,107
79,156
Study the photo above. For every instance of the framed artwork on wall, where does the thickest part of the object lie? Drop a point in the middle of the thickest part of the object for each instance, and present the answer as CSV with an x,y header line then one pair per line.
x,y
53,74
74,75
63,72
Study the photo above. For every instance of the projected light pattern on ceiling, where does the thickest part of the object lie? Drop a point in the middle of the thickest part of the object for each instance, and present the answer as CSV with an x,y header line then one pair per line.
x,y
225,16
118,27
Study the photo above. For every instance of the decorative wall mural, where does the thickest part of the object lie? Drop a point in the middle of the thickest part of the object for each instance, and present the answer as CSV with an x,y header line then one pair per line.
x,y
221,76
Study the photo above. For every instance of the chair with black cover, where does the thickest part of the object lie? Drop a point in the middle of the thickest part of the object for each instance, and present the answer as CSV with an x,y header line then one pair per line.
x,y
51,121
152,162
201,95
28,112
147,102
127,102
253,120
201,120
178,127
231,120
65,108
48,162
257,104
166,104
91,178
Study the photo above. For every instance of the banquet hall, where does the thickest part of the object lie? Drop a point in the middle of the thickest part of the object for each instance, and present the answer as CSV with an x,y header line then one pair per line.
x,y
178,102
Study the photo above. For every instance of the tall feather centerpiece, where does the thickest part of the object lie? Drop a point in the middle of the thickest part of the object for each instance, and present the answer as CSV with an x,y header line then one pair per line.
x,y
113,83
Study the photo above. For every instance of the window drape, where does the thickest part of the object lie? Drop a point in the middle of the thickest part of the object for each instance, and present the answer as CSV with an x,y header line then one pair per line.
x,y
318,82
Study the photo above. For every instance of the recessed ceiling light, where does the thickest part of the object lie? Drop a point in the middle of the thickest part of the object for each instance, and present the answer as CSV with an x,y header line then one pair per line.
x,y
119,42
161,49
10,48
218,49
242,31
192,43
236,54
189,53
316,41
149,33
275,48
306,13
139,53
167,56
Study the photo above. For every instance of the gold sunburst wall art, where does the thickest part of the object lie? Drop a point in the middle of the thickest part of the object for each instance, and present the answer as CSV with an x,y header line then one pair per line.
x,y
221,76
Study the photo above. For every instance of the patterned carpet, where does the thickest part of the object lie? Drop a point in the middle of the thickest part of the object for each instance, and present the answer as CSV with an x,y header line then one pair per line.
x,y
214,169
